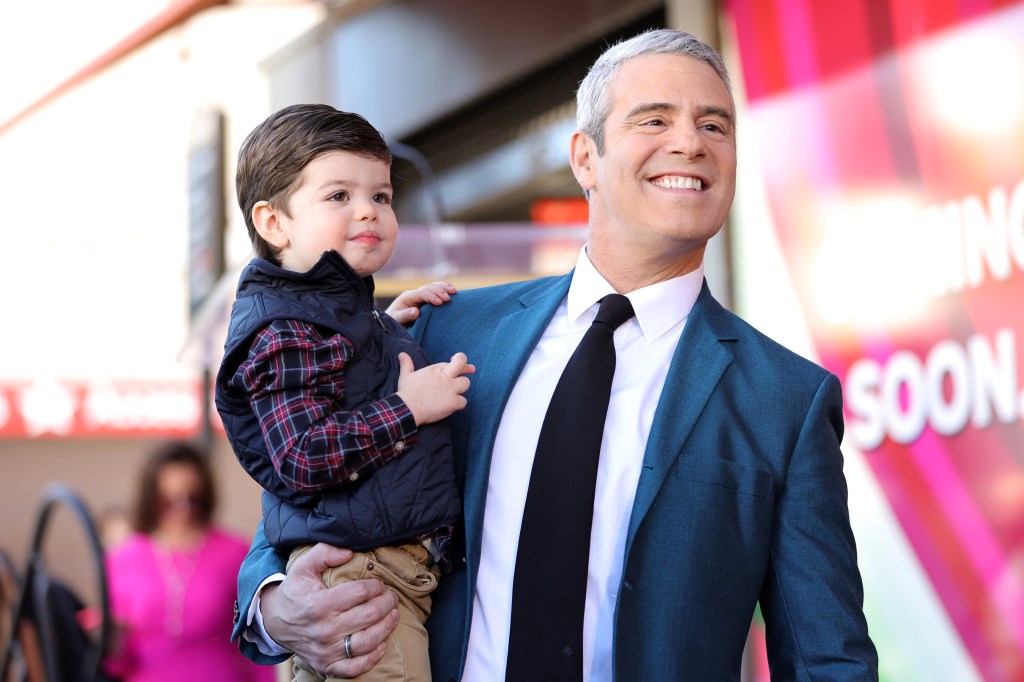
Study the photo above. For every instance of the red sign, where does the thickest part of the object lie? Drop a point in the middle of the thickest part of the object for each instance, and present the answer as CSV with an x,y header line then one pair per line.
x,y
51,408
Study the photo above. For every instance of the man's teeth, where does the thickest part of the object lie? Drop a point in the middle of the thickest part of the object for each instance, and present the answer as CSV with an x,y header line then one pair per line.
x,y
676,182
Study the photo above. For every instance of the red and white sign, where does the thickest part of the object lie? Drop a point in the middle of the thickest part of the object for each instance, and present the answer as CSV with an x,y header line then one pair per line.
x,y
53,408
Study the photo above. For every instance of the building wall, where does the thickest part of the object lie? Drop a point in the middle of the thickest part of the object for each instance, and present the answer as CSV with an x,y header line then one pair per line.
x,y
96,245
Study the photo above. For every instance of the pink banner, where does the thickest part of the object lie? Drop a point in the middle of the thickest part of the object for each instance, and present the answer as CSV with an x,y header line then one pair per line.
x,y
892,141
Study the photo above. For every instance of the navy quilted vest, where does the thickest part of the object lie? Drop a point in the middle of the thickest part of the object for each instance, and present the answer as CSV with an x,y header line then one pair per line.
x,y
411,495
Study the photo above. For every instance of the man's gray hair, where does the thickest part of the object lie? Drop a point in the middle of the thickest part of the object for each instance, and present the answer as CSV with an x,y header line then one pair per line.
x,y
592,102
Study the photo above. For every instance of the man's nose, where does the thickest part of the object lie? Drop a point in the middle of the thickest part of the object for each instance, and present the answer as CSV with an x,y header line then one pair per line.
x,y
686,140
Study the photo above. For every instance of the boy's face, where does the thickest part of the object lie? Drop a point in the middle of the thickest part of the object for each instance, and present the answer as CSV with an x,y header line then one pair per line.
x,y
343,203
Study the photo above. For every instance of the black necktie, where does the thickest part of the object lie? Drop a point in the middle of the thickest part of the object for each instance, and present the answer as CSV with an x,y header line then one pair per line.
x,y
550,585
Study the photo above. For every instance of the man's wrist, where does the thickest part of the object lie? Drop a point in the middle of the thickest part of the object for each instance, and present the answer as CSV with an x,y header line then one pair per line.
x,y
255,631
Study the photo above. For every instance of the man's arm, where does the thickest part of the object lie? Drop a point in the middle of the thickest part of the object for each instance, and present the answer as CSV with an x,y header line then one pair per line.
x,y
260,563
812,599
303,616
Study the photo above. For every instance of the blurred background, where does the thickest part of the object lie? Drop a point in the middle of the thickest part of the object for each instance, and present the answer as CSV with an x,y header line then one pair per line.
x,y
878,229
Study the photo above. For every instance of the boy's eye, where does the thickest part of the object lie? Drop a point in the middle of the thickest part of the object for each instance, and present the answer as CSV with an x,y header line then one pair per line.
x,y
382,198
340,195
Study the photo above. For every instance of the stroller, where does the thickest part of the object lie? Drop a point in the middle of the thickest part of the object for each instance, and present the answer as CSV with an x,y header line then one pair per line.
x,y
42,635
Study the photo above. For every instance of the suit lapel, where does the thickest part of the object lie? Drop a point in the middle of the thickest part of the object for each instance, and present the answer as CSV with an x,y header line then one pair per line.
x,y
511,344
697,365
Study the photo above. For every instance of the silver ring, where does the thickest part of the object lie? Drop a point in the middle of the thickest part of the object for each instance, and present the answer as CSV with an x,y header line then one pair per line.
x,y
348,646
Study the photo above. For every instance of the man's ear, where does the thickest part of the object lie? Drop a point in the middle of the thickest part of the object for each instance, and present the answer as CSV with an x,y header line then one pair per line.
x,y
268,225
582,154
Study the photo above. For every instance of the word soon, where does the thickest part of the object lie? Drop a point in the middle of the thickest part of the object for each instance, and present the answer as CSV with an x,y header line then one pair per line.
x,y
956,384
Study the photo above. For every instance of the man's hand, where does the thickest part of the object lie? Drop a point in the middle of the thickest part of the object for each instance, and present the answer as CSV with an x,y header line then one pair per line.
x,y
406,308
308,619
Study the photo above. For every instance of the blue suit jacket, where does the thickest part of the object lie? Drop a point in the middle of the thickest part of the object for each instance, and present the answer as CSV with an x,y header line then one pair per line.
x,y
741,499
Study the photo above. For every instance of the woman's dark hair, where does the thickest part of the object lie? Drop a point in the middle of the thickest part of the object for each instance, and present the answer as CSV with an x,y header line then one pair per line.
x,y
147,502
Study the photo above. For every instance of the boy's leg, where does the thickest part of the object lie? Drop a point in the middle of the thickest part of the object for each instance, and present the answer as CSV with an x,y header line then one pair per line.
x,y
300,671
303,673
405,570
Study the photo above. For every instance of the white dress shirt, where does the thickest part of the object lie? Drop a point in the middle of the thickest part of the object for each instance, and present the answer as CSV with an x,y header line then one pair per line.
x,y
644,348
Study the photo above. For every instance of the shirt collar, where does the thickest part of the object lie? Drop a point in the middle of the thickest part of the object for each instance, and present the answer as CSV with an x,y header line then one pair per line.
x,y
658,307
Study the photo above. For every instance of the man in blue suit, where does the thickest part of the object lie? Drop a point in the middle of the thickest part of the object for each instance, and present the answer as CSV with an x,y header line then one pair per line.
x,y
720,483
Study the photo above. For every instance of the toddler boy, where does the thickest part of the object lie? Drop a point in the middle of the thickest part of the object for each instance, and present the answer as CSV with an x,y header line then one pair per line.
x,y
326,400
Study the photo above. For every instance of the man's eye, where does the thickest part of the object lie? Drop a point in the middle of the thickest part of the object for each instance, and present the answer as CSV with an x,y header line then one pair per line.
x,y
713,128
656,122
382,198
339,196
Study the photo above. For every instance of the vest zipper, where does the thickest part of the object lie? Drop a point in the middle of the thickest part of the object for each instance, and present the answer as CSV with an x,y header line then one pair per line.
x,y
364,295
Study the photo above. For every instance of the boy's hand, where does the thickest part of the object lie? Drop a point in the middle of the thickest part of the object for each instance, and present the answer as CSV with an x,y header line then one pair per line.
x,y
434,392
406,308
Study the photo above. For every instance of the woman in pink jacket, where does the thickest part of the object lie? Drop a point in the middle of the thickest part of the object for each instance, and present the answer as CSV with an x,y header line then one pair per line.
x,y
172,582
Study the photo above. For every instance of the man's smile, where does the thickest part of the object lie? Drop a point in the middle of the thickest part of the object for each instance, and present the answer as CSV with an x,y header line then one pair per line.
x,y
679,182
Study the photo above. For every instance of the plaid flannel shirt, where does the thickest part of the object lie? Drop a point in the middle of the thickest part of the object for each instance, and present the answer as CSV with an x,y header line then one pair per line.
x,y
294,378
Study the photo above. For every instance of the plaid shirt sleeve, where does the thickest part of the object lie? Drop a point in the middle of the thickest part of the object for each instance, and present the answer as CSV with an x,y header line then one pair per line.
x,y
293,377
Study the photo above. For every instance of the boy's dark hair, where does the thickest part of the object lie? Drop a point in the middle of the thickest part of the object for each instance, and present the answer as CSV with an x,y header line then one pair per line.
x,y
272,157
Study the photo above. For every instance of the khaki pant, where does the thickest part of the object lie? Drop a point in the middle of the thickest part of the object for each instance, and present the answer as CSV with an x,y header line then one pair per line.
x,y
405,570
